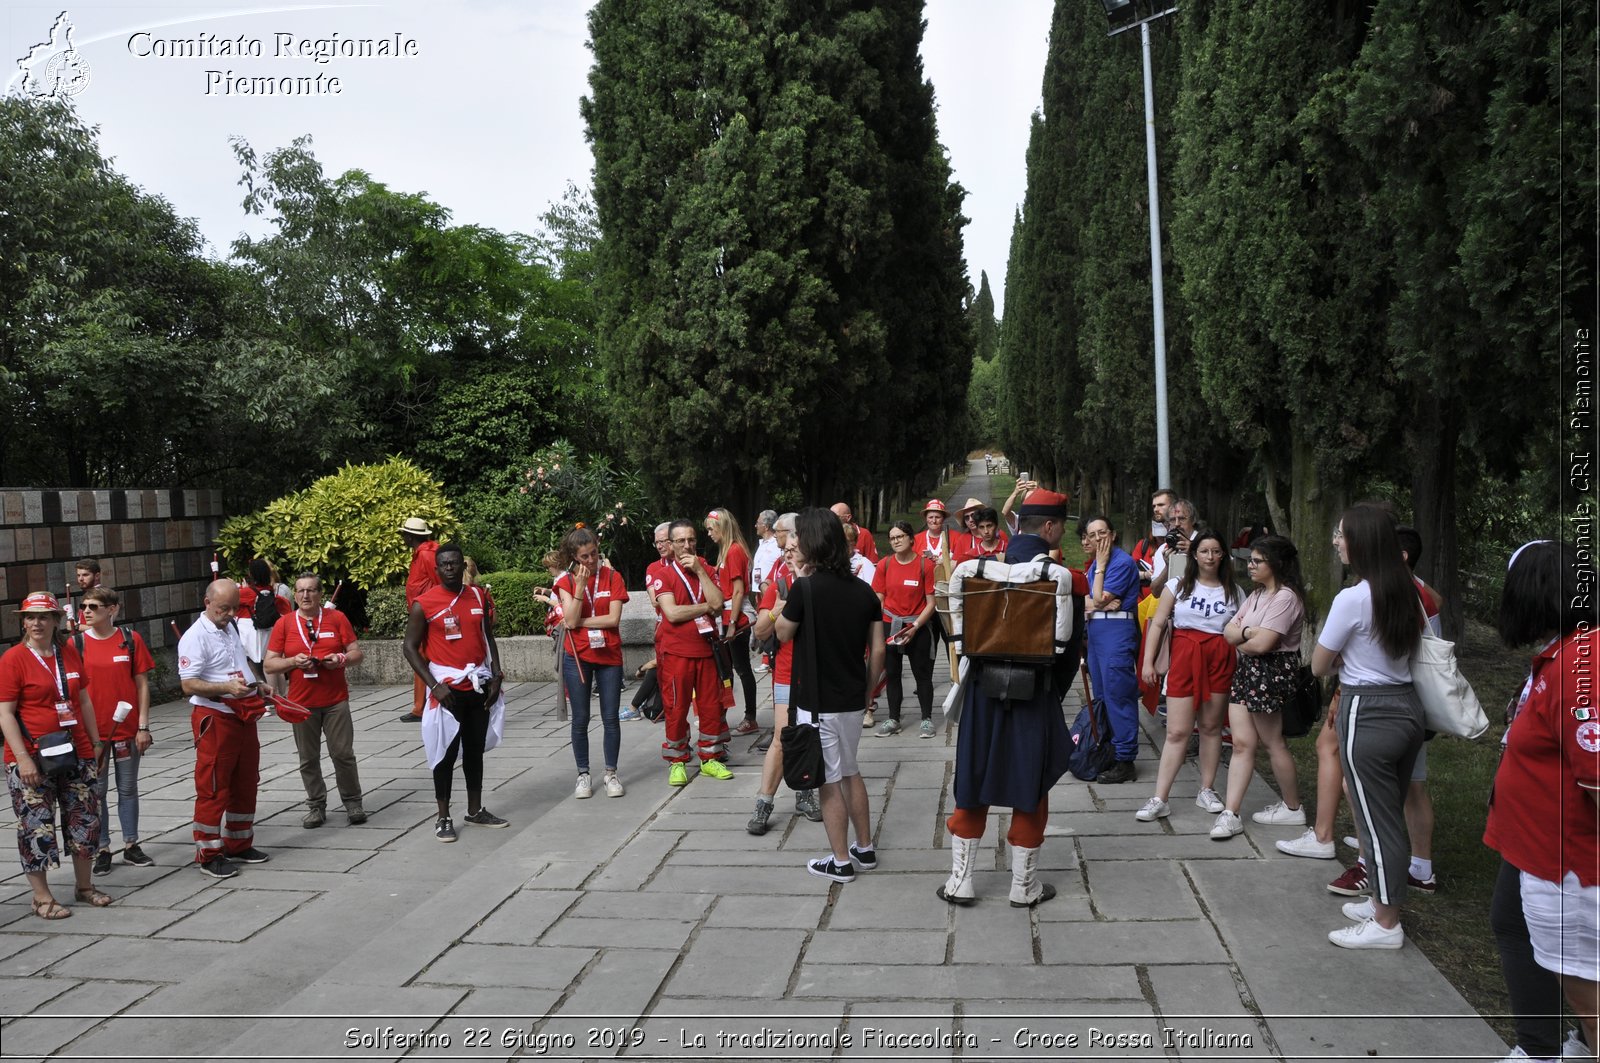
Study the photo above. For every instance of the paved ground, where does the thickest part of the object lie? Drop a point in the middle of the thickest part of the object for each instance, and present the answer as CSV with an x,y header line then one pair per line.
x,y
653,926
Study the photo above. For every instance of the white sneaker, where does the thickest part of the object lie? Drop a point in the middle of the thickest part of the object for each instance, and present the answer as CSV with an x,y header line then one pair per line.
x,y
585,788
1279,814
613,785
1208,800
1308,846
1227,826
1153,809
1367,934
1352,841
1574,1048
1356,911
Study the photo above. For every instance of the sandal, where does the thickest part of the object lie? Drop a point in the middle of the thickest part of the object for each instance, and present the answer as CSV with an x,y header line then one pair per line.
x,y
92,897
49,909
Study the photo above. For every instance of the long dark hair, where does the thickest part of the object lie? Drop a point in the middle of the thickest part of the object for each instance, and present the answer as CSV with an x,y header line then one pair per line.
x,y
821,541
1284,558
1191,571
1549,591
1375,556
575,540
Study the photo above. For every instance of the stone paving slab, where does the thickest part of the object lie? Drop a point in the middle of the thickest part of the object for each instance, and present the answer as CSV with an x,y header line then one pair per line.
x,y
657,916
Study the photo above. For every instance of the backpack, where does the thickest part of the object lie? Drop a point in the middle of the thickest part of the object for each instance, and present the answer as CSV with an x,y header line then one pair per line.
x,y
1020,613
1092,751
264,614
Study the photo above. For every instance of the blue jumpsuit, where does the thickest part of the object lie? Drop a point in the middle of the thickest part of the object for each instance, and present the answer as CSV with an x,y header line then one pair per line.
x,y
1112,648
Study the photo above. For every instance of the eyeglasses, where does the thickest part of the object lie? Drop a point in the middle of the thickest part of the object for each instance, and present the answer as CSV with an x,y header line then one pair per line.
x,y
1256,561
683,542
90,606
308,590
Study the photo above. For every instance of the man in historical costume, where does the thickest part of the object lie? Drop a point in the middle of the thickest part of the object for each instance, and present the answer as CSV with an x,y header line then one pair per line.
x,y
1011,751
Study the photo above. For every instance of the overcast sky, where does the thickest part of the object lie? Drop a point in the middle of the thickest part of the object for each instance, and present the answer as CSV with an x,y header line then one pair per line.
x,y
483,117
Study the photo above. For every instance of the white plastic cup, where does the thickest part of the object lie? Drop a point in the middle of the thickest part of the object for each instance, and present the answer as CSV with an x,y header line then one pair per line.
x,y
122,710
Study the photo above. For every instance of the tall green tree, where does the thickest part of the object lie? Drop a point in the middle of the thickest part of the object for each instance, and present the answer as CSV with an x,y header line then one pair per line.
x,y
985,329
752,199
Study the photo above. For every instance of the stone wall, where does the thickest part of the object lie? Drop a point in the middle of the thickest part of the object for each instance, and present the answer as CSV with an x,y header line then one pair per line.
x,y
154,547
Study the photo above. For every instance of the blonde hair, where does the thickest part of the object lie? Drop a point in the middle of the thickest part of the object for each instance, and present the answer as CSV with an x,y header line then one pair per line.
x,y
728,531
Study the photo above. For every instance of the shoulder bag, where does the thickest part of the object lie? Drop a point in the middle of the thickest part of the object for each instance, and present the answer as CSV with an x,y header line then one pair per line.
x,y
1448,702
802,742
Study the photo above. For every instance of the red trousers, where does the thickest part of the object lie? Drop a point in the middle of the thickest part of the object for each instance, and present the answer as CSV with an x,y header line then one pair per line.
x,y
1027,828
227,769
685,680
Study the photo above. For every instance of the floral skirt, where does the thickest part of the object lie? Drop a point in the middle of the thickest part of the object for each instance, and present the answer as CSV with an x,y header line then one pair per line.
x,y
1265,682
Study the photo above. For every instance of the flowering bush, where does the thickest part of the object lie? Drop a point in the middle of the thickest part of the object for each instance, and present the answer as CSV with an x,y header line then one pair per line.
x,y
589,492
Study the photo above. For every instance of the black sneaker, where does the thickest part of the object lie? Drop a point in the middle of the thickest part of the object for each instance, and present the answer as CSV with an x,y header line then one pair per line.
x,y
864,859
824,867
251,856
102,862
444,830
484,818
1121,771
221,867
408,717
135,856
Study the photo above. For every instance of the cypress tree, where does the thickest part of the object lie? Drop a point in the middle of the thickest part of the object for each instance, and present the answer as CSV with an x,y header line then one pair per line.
x,y
985,329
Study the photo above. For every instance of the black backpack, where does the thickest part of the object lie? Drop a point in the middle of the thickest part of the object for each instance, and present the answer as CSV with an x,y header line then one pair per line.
x,y
265,612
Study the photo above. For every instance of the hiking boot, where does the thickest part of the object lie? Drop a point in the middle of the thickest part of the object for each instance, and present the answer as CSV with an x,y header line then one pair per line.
x,y
1121,771
805,803
1279,814
678,775
355,814
1368,935
221,867
1153,809
613,785
444,830
824,867
102,862
863,859
1353,883
585,788
716,769
315,817
484,818
135,856
888,727
925,729
1207,800
251,855
1306,845
758,819
1226,827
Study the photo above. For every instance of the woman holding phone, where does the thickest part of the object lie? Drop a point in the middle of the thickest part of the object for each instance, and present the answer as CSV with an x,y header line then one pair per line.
x,y
733,578
591,616
904,585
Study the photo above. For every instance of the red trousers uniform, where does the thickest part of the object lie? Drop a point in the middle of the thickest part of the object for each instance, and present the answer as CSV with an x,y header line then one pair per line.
x,y
227,770
686,679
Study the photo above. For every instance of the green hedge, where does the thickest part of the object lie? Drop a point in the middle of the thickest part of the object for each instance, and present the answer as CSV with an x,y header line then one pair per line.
x,y
516,611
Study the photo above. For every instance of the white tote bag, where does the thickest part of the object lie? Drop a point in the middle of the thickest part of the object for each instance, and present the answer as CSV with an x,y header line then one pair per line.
x,y
1449,705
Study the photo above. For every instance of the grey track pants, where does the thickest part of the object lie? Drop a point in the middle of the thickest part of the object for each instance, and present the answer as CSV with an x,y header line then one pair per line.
x,y
1380,734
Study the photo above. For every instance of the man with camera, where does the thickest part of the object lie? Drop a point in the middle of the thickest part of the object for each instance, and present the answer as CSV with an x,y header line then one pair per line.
x,y
684,589
314,645
1173,554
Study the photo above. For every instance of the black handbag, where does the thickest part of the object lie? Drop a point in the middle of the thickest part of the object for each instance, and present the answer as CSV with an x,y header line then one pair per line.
x,y
1305,707
57,755
802,742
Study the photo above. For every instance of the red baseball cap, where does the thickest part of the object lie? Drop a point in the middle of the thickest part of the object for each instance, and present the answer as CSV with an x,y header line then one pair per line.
x,y
933,506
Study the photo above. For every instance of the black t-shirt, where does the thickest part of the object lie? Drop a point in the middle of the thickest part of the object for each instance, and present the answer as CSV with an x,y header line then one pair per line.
x,y
846,609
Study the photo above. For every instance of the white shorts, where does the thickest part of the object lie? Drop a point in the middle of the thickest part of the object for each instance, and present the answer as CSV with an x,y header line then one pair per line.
x,y
1419,770
841,734
1563,925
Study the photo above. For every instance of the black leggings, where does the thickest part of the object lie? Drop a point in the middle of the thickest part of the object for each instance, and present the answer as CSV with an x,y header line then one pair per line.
x,y
472,714
920,652
1535,992
740,646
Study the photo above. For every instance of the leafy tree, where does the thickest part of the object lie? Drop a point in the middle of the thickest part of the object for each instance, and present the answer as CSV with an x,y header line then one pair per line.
x,y
985,329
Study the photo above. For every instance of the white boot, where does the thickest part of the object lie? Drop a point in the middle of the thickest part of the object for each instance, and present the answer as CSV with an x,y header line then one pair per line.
x,y
958,888
1026,890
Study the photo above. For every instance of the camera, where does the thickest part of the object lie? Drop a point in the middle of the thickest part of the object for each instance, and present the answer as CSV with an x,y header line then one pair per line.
x,y
1174,538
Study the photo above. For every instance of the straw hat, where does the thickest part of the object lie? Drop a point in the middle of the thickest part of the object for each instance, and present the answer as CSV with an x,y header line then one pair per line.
x,y
41,602
934,506
417,526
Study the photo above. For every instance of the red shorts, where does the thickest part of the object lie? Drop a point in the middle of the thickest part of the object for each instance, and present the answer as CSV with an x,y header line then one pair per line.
x,y
1202,665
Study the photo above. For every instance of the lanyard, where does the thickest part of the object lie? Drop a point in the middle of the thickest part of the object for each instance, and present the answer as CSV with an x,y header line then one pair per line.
x,y
58,674
694,599
313,634
451,607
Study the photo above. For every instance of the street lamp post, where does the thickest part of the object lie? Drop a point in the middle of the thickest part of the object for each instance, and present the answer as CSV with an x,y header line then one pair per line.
x,y
1125,15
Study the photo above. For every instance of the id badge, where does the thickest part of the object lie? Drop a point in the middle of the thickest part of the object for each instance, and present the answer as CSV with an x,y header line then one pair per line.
x,y
597,639
308,675
702,624
122,750
64,714
452,627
